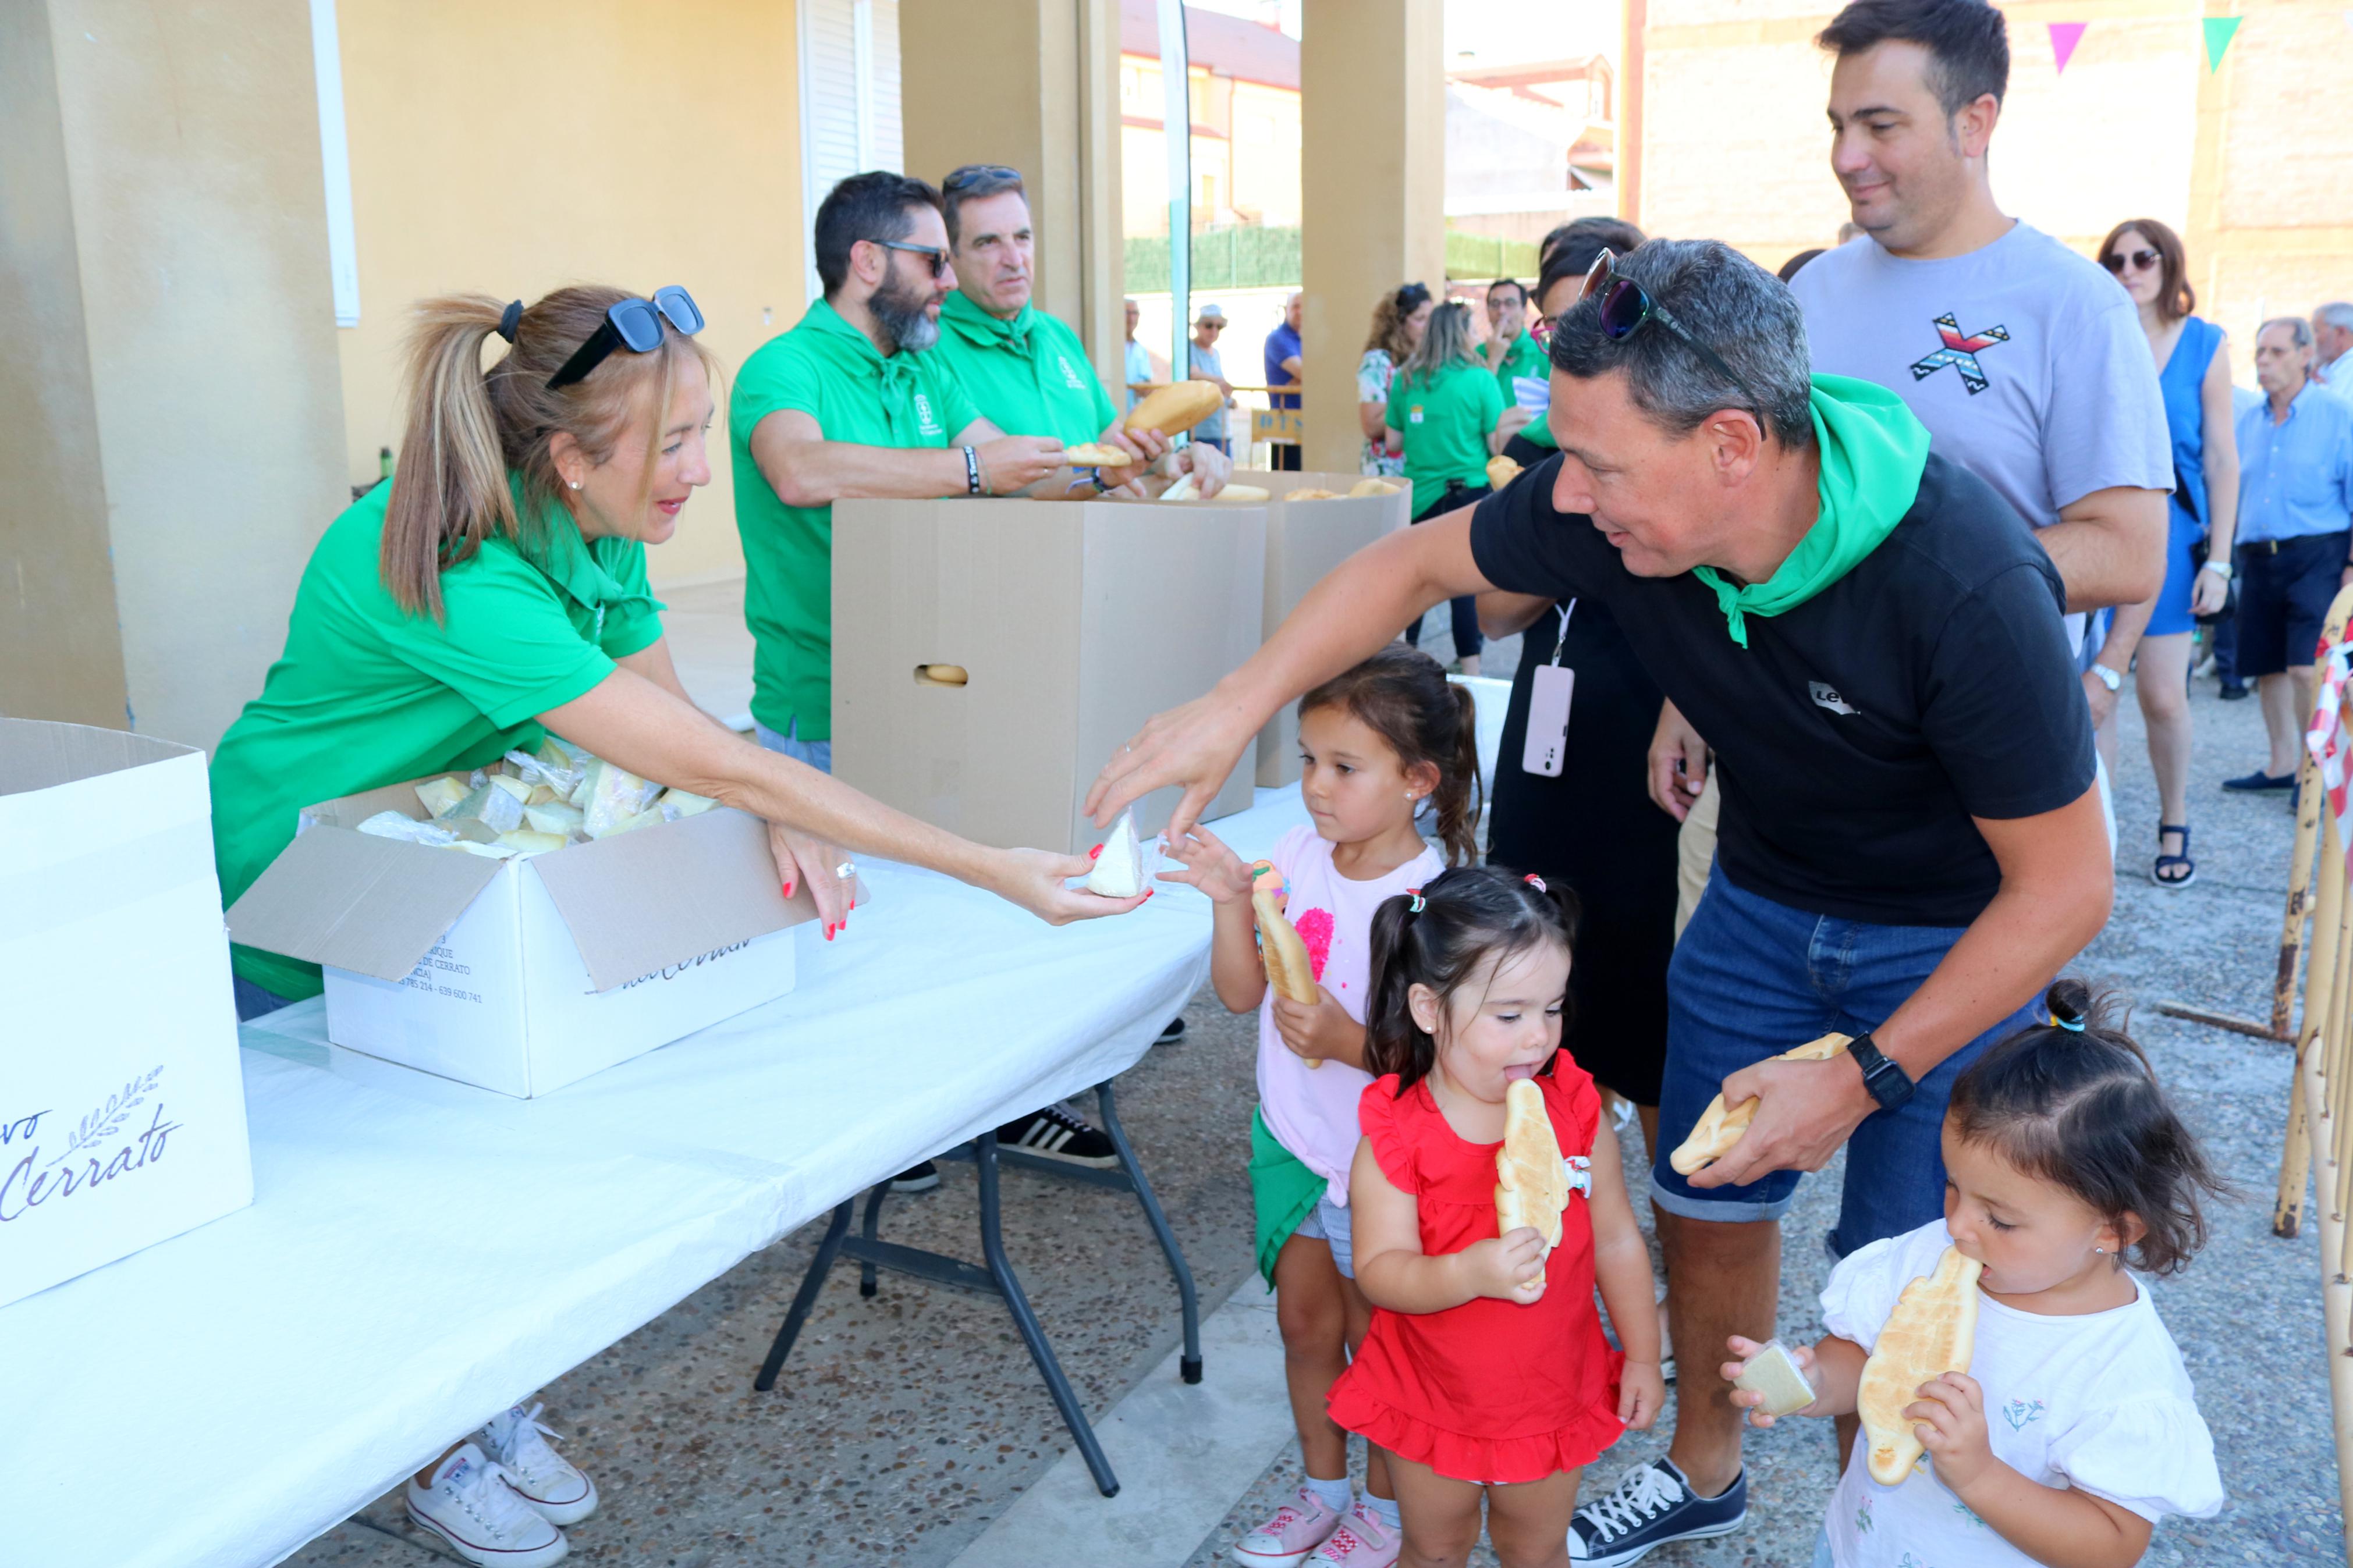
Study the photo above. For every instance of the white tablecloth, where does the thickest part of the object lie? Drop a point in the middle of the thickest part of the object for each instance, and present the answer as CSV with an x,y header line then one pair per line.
x,y
420,1253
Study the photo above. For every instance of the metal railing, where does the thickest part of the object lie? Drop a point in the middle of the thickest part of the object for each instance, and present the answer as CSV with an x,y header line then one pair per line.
x,y
2319,1141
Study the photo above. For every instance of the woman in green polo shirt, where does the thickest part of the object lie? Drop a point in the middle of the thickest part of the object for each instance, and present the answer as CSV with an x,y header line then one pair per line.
x,y
496,590
1444,411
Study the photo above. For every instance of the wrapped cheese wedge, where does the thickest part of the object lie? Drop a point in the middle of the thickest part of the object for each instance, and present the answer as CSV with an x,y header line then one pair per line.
x,y
1531,1178
1372,488
1097,455
611,795
542,794
1502,471
1183,489
1719,1126
524,842
1773,1373
650,817
553,817
440,795
1932,1331
1119,867
676,803
393,825
514,786
493,808
486,851
1175,409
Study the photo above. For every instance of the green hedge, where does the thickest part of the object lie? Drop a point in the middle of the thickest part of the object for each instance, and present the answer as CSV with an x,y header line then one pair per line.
x,y
1234,256
1474,255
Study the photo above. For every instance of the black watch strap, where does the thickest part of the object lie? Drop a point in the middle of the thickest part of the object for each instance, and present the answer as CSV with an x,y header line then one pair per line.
x,y
1888,1083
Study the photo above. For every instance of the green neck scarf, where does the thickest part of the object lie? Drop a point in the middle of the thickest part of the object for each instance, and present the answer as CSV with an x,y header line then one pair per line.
x,y
960,314
1873,450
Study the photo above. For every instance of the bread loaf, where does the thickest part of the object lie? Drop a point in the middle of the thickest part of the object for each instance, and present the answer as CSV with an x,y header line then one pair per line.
x,y
1531,1178
1932,1331
1176,408
1719,1126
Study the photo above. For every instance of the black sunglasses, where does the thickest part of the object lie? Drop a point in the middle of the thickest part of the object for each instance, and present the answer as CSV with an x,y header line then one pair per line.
x,y
939,258
2139,260
1626,307
635,325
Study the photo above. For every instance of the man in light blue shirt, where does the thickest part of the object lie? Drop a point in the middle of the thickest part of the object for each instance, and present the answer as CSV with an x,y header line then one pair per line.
x,y
2295,523
1139,369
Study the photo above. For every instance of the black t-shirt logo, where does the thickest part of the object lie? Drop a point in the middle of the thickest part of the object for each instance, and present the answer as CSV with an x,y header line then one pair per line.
x,y
1826,696
1960,352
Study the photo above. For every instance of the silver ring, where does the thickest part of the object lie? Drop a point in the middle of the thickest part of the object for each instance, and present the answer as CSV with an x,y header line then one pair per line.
x,y
845,872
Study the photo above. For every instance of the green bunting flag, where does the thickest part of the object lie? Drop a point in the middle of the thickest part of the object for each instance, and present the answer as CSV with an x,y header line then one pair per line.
x,y
2219,33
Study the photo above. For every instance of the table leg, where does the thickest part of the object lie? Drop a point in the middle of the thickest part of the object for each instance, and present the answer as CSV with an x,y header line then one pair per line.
x,y
1188,1365
1066,1398
874,1231
805,1298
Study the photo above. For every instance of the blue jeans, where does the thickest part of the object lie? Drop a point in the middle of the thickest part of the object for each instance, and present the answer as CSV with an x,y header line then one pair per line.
x,y
1822,1558
1752,978
817,755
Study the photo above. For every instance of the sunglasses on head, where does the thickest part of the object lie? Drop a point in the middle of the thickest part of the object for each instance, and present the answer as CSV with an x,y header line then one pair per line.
x,y
1626,307
937,256
2139,261
973,173
633,324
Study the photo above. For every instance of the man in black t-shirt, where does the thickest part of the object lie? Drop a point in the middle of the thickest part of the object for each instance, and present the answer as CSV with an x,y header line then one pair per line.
x,y
1913,846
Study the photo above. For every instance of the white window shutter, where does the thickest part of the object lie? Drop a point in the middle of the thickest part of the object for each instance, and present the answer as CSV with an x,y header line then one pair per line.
x,y
850,99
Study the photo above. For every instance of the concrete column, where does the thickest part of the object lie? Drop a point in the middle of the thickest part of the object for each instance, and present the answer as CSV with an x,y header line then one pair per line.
x,y
170,410
1372,165
1033,85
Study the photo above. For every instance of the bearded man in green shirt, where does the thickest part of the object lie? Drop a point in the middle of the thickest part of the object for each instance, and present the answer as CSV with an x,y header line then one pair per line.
x,y
851,403
1024,368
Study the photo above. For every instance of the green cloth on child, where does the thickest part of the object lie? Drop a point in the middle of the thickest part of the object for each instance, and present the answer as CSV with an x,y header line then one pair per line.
x,y
1282,1193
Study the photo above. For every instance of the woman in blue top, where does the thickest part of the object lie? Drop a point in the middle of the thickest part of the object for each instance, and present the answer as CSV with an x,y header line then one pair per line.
x,y
2193,366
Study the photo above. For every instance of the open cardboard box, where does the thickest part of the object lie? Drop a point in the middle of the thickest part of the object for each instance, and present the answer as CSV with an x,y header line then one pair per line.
x,y
525,974
1073,622
121,1097
1305,541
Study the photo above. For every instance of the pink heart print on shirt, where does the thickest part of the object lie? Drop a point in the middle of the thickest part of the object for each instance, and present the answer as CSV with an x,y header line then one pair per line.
x,y
1315,929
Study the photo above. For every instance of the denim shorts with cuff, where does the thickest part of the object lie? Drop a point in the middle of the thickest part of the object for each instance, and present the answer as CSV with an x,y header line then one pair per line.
x,y
1751,979
817,755
1327,1222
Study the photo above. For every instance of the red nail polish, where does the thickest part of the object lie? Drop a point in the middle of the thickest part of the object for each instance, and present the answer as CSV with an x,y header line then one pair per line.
x,y
1094,852
828,930
788,890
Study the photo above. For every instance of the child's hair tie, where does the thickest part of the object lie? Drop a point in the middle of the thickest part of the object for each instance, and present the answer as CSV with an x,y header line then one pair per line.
x,y
2073,1026
1536,882
1418,904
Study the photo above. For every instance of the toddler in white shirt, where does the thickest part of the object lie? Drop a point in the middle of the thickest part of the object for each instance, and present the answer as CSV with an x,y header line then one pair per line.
x,y
2074,1429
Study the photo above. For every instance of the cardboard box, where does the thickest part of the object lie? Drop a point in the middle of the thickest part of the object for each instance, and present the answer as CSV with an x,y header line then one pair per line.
x,y
1073,622
122,1100
525,974
1305,541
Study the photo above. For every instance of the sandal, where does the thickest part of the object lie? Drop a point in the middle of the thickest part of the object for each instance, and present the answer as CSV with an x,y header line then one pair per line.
x,y
2165,861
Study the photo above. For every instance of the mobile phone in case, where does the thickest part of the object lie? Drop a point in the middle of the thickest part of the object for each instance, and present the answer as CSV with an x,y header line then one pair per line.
x,y
1548,739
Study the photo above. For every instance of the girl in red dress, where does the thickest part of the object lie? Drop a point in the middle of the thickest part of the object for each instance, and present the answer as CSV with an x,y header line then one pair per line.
x,y
1485,1375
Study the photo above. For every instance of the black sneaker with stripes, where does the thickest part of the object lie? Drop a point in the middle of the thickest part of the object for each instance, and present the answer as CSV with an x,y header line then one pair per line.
x,y
1059,1136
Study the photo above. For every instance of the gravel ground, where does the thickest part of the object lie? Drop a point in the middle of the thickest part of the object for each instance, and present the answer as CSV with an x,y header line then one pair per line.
x,y
904,1424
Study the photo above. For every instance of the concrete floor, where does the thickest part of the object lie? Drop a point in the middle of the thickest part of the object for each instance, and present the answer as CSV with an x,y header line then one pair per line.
x,y
906,1425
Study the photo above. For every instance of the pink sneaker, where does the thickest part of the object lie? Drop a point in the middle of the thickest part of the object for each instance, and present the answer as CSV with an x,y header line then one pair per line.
x,y
1298,1527
1361,1542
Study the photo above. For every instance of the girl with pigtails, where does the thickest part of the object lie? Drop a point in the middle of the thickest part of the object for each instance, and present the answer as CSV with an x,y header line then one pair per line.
x,y
1379,745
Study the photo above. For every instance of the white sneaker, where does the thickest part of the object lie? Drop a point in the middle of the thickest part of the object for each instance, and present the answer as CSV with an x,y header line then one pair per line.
x,y
517,1441
472,1505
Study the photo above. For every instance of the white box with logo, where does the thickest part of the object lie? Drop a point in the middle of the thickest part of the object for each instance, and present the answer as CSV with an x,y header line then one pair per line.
x,y
122,1100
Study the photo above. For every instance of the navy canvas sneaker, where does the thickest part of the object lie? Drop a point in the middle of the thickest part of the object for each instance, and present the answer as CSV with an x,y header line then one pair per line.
x,y
1651,1505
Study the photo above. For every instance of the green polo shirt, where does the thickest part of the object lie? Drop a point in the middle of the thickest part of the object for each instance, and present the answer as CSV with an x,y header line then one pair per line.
x,y
828,370
1028,376
1526,358
1443,417
367,695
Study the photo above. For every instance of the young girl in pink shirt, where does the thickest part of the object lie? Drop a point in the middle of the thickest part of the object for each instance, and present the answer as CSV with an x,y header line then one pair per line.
x,y
1376,744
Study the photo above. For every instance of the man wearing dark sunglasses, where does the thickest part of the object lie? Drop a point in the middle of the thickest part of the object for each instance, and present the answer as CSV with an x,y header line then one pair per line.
x,y
1912,841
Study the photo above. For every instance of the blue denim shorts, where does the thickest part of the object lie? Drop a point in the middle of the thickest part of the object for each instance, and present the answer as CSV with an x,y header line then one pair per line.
x,y
1752,978
817,755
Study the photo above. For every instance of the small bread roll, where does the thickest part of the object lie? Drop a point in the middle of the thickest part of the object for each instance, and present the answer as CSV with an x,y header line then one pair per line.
x,y
1097,455
1501,471
1176,407
1373,488
1312,494
1249,493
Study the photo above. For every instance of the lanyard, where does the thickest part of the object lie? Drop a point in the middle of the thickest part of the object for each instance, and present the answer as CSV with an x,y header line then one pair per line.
x,y
1565,611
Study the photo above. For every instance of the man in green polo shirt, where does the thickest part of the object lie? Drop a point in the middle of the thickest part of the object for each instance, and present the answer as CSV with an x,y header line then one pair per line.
x,y
1512,350
1026,370
851,403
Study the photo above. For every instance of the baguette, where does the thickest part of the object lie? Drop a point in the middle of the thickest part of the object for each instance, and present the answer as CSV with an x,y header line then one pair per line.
x,y
1531,1178
1287,968
1932,1331
1720,1127
1176,408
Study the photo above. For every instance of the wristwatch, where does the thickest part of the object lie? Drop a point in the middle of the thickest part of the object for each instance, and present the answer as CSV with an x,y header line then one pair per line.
x,y
2223,568
2112,679
1889,1084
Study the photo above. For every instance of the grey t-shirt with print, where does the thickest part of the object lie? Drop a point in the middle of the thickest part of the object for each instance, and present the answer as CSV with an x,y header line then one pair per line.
x,y
2026,362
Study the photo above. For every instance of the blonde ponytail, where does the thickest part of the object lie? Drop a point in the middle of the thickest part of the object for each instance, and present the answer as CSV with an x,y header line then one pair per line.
x,y
469,429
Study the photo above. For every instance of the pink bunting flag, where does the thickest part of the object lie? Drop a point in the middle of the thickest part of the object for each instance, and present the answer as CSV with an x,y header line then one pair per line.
x,y
2064,36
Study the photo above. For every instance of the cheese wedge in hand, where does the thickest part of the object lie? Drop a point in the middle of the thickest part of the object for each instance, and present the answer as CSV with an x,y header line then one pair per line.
x,y
1932,1331
1531,1178
1720,1126
1119,867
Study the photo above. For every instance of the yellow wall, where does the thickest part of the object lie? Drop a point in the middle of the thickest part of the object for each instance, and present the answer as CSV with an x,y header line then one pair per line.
x,y
510,148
